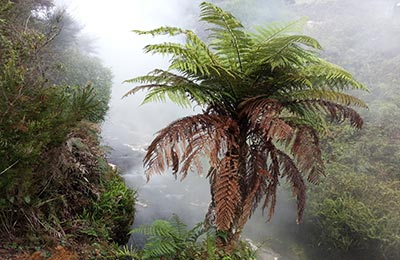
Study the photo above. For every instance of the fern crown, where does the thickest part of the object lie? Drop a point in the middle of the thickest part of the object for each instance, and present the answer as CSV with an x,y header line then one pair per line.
x,y
235,65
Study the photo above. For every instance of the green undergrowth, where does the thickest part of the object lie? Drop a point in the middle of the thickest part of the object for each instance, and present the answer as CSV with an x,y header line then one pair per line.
x,y
356,216
72,197
171,239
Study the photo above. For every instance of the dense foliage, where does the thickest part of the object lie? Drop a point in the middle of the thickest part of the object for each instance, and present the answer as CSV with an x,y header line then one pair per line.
x,y
55,186
36,111
266,97
357,213
358,216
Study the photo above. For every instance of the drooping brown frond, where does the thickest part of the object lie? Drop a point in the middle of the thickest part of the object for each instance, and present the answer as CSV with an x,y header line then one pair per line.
x,y
271,190
266,165
257,176
254,183
227,192
248,205
257,105
181,144
340,113
262,114
293,175
336,112
307,153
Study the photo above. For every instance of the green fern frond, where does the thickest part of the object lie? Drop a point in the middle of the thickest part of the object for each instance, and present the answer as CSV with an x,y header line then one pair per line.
x,y
214,15
299,114
269,31
179,89
170,48
179,226
169,239
159,228
326,74
176,94
164,30
159,76
143,87
333,96
227,36
196,232
160,248
127,251
193,57
285,51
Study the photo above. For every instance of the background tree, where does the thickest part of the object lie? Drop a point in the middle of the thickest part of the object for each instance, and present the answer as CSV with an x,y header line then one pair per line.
x,y
266,97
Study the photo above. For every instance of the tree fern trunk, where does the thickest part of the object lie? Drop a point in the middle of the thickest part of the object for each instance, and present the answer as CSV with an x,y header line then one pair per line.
x,y
238,153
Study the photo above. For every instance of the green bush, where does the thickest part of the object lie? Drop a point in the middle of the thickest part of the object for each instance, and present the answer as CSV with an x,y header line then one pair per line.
x,y
352,213
37,111
111,216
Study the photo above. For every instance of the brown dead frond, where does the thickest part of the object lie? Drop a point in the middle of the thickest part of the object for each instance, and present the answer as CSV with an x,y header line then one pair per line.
x,y
294,177
256,181
226,189
272,187
336,112
181,144
307,153
262,115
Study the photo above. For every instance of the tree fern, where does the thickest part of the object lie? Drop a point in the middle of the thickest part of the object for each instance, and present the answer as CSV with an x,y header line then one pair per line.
x,y
266,96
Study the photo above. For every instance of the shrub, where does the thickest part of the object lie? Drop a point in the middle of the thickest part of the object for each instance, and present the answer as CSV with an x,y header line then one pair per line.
x,y
353,213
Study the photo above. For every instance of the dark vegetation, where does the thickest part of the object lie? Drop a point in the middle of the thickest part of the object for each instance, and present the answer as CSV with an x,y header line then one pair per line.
x,y
55,186
266,96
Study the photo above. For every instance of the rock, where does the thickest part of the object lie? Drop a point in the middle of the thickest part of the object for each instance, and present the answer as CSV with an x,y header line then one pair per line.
x,y
141,204
267,254
263,253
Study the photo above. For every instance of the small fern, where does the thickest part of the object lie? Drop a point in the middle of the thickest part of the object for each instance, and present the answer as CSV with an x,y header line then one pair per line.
x,y
168,238
171,239
127,251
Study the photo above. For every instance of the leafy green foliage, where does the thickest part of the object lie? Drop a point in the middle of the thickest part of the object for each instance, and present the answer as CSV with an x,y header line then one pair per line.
x,y
75,68
168,238
357,212
113,212
172,240
73,196
36,115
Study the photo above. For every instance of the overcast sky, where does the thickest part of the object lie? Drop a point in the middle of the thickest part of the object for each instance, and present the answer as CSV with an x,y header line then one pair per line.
x,y
111,22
